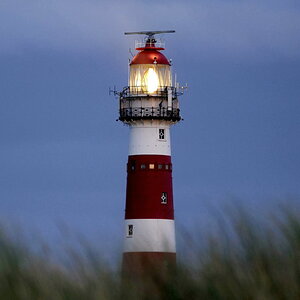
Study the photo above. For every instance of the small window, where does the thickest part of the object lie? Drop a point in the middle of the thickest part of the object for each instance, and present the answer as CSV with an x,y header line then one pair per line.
x,y
161,134
132,165
143,166
151,166
159,166
164,198
167,167
130,230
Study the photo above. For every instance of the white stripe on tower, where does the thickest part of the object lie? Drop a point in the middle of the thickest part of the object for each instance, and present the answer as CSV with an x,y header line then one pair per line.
x,y
150,235
145,139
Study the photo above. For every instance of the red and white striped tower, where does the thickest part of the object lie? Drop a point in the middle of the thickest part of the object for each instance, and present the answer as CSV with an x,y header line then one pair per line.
x,y
149,105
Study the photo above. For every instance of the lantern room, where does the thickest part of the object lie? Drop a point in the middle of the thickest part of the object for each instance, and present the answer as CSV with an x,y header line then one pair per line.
x,y
150,93
149,71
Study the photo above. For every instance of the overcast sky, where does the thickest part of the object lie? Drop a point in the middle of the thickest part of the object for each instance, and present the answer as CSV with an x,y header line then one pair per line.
x,y
63,155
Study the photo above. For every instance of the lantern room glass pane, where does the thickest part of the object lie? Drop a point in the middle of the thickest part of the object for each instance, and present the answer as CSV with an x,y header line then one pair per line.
x,y
149,78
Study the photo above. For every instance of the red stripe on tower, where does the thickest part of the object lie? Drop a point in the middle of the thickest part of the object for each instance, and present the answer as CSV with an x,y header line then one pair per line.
x,y
149,178
149,105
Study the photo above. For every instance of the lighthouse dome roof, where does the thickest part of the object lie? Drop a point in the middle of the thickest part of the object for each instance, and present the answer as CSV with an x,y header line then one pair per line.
x,y
150,56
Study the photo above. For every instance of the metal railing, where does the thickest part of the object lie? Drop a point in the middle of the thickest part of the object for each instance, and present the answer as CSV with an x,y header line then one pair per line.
x,y
149,113
159,43
141,91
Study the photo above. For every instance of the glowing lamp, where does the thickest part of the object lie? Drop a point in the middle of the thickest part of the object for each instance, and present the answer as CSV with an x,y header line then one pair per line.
x,y
151,80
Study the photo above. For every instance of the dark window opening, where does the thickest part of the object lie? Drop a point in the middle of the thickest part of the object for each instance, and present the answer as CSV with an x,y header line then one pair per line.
x,y
159,166
132,165
164,198
143,166
130,230
161,134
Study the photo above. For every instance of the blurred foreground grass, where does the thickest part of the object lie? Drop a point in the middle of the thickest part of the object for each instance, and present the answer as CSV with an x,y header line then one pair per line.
x,y
241,261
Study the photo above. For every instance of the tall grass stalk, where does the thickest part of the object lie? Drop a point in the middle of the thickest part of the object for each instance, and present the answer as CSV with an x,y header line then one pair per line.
x,y
243,261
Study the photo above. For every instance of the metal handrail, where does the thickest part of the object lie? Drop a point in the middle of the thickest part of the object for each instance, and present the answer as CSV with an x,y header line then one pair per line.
x,y
159,43
141,91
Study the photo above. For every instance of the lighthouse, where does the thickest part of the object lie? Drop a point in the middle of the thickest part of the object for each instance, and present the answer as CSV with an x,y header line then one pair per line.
x,y
149,106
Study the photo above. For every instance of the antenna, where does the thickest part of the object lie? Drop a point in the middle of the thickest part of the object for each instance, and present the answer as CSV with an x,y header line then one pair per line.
x,y
150,33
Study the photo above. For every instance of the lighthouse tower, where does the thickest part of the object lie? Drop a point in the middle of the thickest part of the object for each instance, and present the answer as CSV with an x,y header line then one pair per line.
x,y
149,106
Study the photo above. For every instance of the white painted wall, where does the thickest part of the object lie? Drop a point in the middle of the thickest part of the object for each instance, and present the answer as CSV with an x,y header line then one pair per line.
x,y
150,235
144,138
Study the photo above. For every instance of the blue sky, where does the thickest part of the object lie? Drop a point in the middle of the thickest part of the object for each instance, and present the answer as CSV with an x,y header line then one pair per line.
x,y
63,155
